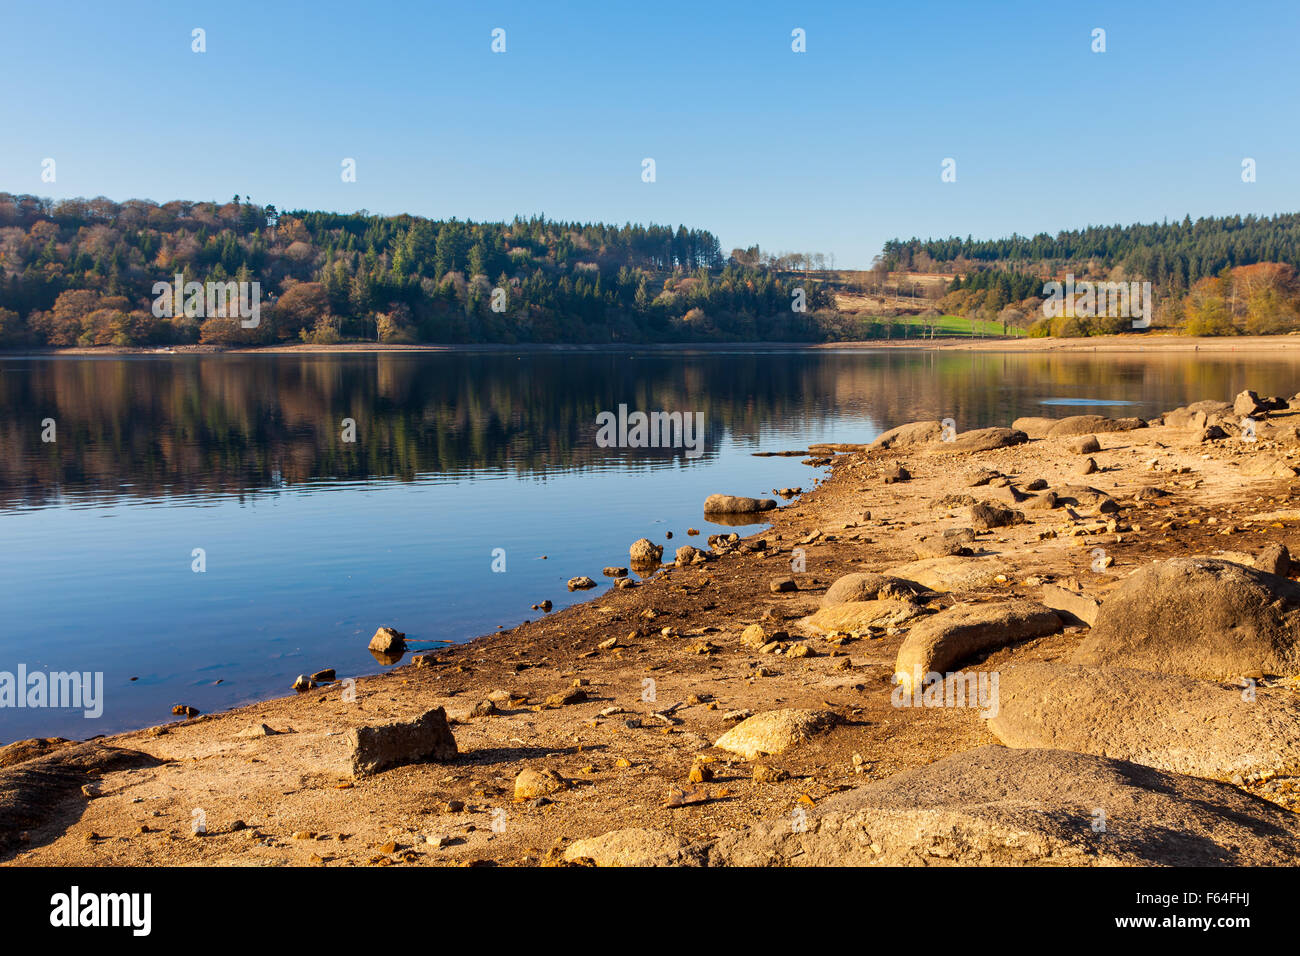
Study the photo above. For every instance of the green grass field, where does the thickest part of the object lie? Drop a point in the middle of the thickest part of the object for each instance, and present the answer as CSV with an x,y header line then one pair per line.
x,y
951,326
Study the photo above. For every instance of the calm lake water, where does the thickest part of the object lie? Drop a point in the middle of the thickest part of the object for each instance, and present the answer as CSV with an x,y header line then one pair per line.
x,y
311,542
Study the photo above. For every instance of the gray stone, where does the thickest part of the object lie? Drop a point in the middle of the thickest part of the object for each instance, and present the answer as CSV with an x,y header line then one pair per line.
x,y
1092,425
985,515
1199,617
688,555
857,616
866,586
775,731
913,433
1274,559
996,806
1247,403
1165,721
734,504
980,439
380,746
634,846
1071,606
645,552
388,641
944,640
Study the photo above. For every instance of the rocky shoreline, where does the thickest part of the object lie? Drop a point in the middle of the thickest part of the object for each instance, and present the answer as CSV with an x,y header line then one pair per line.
x,y
1063,642
1151,341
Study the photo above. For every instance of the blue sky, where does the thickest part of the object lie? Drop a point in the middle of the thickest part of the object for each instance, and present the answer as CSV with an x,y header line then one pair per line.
x,y
833,150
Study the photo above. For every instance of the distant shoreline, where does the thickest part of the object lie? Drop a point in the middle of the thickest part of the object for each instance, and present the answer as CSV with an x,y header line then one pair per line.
x,y
1101,343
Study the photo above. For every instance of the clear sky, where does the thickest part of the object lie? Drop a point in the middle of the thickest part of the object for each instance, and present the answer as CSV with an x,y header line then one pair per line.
x,y
831,150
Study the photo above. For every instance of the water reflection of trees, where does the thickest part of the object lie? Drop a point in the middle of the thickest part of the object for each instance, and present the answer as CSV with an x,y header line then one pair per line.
x,y
233,423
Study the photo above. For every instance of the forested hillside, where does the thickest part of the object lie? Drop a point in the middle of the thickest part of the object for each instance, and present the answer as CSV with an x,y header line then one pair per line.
x,y
82,272
1172,256
1212,276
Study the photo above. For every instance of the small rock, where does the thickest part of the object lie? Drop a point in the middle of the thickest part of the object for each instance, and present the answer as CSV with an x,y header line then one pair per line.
x,y
700,773
574,695
644,552
688,555
775,731
388,641
531,784
1274,559
1084,445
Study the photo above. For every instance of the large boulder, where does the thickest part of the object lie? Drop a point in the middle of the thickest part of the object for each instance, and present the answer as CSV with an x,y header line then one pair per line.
x,y
1199,414
996,806
1092,425
775,731
940,642
1165,721
379,746
857,616
1073,607
866,586
980,439
1266,466
1034,426
733,504
913,433
634,846
1200,617
953,574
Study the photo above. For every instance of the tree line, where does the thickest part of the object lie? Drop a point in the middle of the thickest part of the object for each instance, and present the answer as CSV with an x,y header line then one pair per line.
x,y
82,272
1213,276
1173,256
